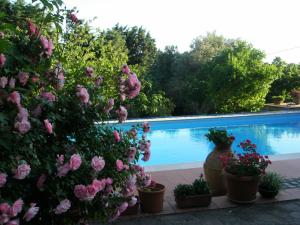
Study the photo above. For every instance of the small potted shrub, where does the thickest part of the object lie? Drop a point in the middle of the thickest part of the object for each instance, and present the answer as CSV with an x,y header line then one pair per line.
x,y
270,184
243,172
192,195
151,194
213,166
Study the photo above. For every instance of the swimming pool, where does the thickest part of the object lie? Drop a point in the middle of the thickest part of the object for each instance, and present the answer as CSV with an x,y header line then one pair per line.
x,y
183,141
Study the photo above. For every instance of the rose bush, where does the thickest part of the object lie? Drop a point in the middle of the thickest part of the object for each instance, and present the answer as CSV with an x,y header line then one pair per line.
x,y
60,162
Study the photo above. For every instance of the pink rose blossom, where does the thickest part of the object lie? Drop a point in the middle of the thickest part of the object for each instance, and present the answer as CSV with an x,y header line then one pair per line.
x,y
75,162
63,207
41,181
23,114
123,207
109,106
146,127
3,81
122,114
48,96
133,201
32,28
125,69
31,212
133,85
12,82
47,45
82,94
23,126
132,154
48,126
3,177
63,170
98,81
22,171
89,71
50,48
117,136
4,208
91,192
108,181
122,97
108,189
98,163
14,222
23,78
99,184
73,18
132,133
119,165
80,191
14,97
44,42
147,155
2,60
16,208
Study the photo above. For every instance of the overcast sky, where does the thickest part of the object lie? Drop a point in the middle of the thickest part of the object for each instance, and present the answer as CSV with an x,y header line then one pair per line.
x,y
270,25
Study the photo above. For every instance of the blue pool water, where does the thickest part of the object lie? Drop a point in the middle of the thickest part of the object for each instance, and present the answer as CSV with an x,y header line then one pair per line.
x,y
183,141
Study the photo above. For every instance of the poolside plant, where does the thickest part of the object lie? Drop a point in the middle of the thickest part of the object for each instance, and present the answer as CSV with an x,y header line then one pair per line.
x,y
270,184
220,137
59,161
250,163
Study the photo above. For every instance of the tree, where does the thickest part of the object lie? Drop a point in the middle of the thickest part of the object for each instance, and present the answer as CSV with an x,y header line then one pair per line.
x,y
239,79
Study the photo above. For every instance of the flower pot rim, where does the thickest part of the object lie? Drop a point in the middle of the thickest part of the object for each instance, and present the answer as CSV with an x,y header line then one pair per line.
x,y
154,192
241,177
193,196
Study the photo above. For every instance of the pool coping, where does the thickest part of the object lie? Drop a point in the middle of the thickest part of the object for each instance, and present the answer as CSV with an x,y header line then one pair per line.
x,y
214,116
199,164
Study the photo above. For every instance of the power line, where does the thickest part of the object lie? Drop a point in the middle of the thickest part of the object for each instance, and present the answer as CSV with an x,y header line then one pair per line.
x,y
283,50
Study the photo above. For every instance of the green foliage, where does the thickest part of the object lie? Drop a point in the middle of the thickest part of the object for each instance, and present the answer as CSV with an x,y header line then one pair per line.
x,y
271,181
219,137
199,187
239,79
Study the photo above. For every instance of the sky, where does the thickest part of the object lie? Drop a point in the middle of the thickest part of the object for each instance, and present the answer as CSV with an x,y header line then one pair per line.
x,y
270,25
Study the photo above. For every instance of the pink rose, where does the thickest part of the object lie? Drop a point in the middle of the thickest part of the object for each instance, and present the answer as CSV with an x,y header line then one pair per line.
x,y
117,136
44,42
122,97
132,154
122,114
119,165
12,82
2,60
32,29
47,45
99,184
3,177
109,106
41,181
3,81
125,69
48,96
63,207
4,208
75,162
14,222
22,171
31,212
23,126
80,191
108,181
74,18
147,155
82,94
91,192
48,126
63,170
89,71
98,163
23,114
98,81
23,77
146,127
123,207
14,97
16,208
133,86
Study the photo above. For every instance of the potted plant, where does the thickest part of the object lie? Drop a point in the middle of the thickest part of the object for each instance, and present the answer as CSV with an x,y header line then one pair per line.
x,y
213,166
270,184
192,195
151,195
243,172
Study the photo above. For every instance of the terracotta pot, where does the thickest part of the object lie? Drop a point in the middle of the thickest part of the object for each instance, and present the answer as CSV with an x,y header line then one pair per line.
x,y
132,210
241,189
152,201
193,201
267,193
213,170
